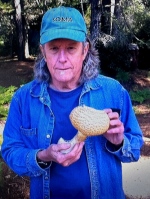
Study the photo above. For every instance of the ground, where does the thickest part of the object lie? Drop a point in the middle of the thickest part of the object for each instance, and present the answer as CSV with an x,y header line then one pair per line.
x,y
13,72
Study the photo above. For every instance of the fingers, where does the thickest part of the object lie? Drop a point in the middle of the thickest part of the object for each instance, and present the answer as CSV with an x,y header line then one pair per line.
x,y
55,151
64,146
113,115
115,133
113,111
116,126
108,111
115,122
73,155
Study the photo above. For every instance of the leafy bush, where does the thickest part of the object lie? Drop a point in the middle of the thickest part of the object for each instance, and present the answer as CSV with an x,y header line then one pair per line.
x,y
114,55
140,96
122,76
5,98
0,140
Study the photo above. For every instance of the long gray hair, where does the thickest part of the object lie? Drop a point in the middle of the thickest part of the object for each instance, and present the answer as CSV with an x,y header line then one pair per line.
x,y
90,67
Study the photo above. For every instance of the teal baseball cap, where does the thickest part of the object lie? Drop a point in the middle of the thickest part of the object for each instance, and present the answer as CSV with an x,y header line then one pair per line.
x,y
62,22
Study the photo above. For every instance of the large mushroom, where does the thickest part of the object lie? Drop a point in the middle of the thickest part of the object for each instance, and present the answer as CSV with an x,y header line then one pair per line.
x,y
89,122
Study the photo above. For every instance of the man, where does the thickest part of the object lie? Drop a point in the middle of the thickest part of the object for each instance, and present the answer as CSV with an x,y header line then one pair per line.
x,y
66,76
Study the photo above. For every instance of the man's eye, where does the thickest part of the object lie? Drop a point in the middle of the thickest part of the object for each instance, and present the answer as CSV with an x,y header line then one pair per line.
x,y
71,49
54,49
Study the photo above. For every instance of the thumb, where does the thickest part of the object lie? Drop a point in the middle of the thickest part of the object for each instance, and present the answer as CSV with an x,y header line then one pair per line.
x,y
62,146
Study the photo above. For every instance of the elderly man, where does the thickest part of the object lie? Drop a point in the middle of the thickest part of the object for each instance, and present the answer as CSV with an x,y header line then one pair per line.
x,y
67,76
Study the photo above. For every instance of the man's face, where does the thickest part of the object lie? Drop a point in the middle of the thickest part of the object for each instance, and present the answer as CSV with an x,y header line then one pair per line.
x,y
64,59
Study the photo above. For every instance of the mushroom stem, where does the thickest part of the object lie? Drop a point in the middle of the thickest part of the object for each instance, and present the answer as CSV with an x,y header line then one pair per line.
x,y
79,137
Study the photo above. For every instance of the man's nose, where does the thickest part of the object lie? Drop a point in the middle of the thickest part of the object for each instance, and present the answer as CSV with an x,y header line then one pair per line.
x,y
62,56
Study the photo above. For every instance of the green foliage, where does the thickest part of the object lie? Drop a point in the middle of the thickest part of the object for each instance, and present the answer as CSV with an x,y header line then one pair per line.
x,y
115,56
133,18
122,76
5,98
140,96
1,139
137,16
6,28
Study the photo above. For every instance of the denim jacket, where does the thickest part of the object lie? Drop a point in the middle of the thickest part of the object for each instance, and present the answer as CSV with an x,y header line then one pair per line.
x,y
29,128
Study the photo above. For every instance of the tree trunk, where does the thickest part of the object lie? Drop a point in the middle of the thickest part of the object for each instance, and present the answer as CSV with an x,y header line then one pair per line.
x,y
95,19
19,26
26,46
117,15
26,43
106,17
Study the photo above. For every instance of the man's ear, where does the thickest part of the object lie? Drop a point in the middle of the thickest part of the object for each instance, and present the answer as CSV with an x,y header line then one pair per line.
x,y
42,51
86,48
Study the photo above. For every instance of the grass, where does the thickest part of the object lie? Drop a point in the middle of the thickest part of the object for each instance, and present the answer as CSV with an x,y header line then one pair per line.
x,y
1,140
5,98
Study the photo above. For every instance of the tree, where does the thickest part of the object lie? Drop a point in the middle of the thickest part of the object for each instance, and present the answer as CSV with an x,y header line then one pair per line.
x,y
95,19
19,26
106,19
117,15
106,16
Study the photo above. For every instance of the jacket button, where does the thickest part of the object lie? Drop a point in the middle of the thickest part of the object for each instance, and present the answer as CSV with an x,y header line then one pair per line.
x,y
42,99
46,177
48,136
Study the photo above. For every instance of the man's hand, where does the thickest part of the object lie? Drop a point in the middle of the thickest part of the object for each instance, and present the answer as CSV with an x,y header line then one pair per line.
x,y
53,153
115,133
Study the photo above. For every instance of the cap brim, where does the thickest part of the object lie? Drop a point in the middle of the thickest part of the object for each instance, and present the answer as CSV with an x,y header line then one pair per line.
x,y
64,34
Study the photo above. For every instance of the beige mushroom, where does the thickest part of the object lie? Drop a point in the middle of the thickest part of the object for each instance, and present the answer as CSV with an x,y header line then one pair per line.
x,y
89,122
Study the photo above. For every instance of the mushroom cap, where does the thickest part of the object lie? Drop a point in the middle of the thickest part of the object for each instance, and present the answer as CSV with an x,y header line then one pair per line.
x,y
89,121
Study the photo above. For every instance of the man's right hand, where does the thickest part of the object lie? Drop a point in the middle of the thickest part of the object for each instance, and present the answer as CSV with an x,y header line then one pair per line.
x,y
53,153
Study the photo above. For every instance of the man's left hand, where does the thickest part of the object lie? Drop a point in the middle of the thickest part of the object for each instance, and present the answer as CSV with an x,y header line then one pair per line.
x,y
115,133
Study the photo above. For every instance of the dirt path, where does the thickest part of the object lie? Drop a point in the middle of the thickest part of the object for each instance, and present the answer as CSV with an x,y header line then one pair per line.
x,y
15,73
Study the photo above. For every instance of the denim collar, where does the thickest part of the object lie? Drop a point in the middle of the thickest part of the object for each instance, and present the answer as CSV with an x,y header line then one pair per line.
x,y
39,89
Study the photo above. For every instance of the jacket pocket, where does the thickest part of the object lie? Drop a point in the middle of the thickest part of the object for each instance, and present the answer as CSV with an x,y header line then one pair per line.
x,y
29,137
28,132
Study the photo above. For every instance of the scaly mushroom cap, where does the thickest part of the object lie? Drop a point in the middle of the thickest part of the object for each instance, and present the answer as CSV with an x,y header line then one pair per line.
x,y
89,121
